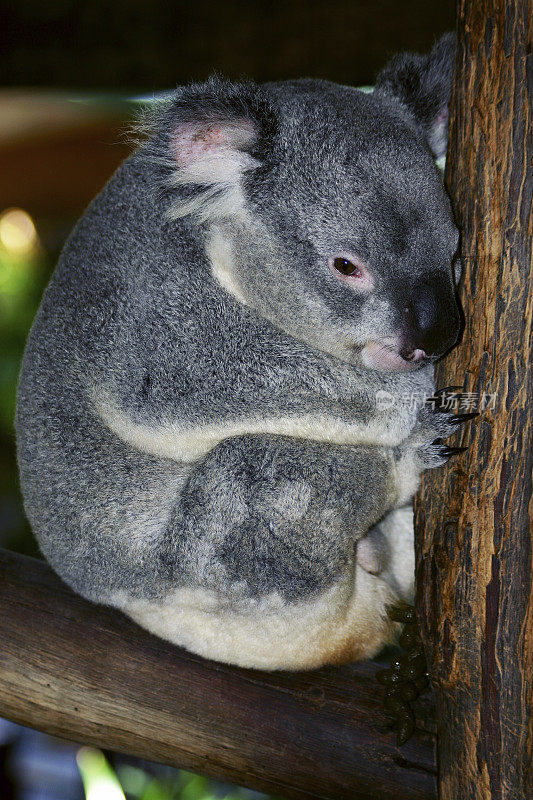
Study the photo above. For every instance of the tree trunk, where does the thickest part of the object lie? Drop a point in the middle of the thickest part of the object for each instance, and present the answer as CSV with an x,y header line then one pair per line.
x,y
474,520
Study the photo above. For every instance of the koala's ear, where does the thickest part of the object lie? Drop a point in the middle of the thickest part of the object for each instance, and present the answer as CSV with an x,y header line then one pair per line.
x,y
423,83
210,135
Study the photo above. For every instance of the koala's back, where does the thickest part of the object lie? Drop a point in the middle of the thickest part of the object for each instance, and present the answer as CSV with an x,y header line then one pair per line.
x,y
95,504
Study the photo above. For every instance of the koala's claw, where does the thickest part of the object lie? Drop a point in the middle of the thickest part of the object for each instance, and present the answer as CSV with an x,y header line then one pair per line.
x,y
437,453
447,452
458,419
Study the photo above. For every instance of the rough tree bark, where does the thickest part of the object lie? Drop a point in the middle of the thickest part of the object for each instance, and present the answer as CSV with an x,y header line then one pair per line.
x,y
474,521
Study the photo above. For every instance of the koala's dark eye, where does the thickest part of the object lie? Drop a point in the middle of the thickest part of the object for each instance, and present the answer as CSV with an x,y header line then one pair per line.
x,y
346,267
351,271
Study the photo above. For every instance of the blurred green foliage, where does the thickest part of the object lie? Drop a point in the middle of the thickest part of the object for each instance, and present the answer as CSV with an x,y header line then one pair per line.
x,y
22,278
130,782
24,271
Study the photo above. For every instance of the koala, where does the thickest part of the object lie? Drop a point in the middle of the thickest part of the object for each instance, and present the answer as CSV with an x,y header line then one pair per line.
x,y
215,422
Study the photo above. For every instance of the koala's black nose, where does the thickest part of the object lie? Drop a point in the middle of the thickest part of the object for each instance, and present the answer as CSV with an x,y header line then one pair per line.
x,y
431,318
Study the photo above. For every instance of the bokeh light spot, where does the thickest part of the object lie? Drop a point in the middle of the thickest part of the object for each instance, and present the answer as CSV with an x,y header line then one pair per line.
x,y
17,232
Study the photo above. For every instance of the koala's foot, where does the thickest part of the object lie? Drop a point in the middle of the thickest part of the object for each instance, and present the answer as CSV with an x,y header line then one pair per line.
x,y
406,678
372,553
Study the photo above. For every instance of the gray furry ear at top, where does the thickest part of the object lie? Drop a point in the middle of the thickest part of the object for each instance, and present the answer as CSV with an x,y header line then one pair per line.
x,y
204,139
423,84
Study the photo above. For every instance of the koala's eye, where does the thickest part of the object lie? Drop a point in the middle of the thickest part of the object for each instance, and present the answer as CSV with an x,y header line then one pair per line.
x,y
351,270
346,267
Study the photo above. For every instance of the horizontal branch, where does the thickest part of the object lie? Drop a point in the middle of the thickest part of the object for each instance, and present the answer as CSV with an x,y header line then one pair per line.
x,y
88,673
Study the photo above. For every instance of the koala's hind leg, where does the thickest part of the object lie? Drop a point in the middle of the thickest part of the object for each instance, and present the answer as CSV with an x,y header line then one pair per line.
x,y
261,549
388,551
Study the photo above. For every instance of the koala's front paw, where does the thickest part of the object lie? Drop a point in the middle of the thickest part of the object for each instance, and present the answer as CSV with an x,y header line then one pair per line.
x,y
438,418
425,447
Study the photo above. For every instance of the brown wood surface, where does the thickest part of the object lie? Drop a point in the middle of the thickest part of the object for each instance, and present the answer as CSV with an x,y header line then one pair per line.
x,y
475,520
87,673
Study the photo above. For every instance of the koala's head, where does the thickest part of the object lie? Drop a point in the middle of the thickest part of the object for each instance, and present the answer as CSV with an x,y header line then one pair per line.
x,y
322,206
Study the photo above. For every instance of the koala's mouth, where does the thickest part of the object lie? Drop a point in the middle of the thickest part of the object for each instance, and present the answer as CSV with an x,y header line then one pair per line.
x,y
383,354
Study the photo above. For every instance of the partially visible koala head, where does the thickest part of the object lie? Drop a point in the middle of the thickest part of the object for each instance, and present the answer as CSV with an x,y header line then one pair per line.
x,y
322,206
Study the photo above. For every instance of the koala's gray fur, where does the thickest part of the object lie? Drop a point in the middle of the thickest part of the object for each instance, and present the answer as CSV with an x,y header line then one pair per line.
x,y
199,436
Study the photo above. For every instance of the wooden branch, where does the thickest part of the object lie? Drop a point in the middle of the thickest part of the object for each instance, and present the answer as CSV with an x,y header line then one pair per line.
x,y
87,673
475,521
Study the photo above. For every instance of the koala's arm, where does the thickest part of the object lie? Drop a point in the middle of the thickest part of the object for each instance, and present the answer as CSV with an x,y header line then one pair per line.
x,y
266,528
240,375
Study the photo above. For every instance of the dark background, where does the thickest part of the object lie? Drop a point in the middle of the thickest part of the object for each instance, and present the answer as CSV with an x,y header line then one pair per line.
x,y
149,44
68,73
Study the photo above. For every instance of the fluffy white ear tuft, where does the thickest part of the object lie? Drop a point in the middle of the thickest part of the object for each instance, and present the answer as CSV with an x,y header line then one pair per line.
x,y
212,156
